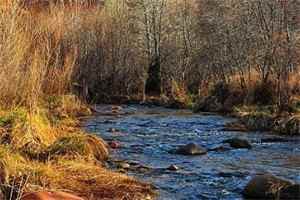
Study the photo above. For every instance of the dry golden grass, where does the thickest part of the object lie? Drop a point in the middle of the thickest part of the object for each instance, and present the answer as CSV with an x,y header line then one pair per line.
x,y
37,154
78,176
94,182
39,53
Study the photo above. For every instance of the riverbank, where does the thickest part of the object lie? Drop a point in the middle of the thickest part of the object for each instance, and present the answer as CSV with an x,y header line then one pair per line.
x,y
264,118
46,150
255,109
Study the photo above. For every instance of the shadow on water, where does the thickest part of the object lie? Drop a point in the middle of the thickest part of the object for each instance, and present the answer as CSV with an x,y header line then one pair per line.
x,y
148,134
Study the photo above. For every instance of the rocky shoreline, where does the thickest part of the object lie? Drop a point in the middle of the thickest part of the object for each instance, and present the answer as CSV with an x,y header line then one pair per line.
x,y
258,186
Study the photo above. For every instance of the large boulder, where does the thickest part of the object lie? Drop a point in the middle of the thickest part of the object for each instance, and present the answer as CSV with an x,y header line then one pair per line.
x,y
238,143
50,196
265,187
191,149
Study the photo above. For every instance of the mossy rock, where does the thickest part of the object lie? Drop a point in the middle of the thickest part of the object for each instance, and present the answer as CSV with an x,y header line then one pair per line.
x,y
79,145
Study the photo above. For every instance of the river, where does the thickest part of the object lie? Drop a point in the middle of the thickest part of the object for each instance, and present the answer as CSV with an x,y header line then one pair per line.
x,y
147,134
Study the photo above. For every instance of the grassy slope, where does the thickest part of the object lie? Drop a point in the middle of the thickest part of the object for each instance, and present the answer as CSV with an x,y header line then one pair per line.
x,y
46,150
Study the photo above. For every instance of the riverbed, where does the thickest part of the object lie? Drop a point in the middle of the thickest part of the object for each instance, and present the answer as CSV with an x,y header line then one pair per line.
x,y
148,134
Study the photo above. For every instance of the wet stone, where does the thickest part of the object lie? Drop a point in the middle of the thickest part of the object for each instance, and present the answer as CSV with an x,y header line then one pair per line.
x,y
220,149
191,149
124,165
238,143
275,139
173,168
265,187
114,145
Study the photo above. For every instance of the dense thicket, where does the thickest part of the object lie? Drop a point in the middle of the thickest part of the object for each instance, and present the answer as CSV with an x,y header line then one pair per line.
x,y
133,47
195,44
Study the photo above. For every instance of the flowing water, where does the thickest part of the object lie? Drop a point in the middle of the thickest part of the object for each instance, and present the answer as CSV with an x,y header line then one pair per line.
x,y
147,134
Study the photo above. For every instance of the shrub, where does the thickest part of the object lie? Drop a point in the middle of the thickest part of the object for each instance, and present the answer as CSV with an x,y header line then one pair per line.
x,y
264,93
221,91
67,106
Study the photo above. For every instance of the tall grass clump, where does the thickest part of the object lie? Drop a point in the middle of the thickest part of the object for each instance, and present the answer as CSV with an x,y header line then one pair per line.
x,y
37,55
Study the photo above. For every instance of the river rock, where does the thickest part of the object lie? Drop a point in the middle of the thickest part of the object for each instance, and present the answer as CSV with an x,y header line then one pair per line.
x,y
124,165
134,163
112,130
116,108
238,143
49,196
227,174
114,145
191,149
173,168
265,187
220,149
142,168
290,192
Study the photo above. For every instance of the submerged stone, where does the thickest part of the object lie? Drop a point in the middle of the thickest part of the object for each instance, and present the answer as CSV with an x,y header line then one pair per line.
x,y
236,127
173,168
114,145
238,143
50,196
124,165
275,139
191,149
